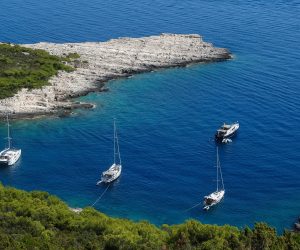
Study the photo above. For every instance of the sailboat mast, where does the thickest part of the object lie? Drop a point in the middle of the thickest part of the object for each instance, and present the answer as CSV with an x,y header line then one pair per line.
x,y
114,141
217,169
8,132
118,148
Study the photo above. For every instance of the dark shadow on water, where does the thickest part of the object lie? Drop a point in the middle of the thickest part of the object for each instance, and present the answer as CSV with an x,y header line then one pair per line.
x,y
5,169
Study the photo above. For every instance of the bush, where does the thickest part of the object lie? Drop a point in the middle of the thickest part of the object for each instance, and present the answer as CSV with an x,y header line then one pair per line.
x,y
37,220
22,67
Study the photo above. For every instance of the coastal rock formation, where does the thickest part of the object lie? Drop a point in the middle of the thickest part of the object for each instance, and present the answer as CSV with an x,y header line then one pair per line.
x,y
103,61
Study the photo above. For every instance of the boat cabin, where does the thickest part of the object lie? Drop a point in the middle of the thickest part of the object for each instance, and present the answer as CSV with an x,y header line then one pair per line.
x,y
209,201
225,127
108,175
223,131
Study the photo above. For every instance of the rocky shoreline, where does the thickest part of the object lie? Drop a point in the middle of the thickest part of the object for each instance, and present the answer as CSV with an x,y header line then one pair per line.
x,y
100,62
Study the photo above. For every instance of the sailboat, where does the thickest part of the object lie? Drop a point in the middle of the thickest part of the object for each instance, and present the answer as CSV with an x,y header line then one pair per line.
x,y
9,156
115,170
215,197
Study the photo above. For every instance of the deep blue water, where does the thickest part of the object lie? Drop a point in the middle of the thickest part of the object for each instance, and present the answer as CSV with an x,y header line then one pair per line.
x,y
166,119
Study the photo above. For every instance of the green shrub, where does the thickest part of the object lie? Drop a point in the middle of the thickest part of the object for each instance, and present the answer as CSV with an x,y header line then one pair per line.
x,y
22,67
37,220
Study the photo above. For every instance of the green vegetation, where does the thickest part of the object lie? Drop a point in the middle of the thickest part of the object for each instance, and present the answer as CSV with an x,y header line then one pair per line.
x,y
37,220
72,56
22,67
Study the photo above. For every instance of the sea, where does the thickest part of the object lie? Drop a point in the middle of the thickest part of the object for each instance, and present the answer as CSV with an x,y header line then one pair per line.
x,y
166,119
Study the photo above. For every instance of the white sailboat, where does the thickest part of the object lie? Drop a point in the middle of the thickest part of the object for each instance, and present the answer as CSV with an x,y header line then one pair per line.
x,y
9,156
215,197
115,170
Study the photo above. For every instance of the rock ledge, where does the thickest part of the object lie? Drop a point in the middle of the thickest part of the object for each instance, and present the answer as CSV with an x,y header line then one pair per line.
x,y
103,61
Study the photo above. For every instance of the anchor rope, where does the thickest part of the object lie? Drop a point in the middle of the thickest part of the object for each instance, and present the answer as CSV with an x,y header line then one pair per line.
x,y
193,207
99,198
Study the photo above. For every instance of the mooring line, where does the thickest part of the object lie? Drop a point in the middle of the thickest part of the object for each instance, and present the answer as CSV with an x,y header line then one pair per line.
x,y
99,198
193,207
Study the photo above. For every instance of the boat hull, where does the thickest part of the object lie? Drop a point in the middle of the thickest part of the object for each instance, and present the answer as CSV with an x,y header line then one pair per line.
x,y
213,199
228,134
10,156
114,174
221,138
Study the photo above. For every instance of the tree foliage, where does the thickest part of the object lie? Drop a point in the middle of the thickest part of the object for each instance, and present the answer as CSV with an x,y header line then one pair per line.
x,y
37,220
22,67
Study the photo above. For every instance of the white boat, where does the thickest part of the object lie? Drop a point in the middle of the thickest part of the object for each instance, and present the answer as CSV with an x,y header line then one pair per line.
x,y
115,170
9,156
226,131
215,197
226,140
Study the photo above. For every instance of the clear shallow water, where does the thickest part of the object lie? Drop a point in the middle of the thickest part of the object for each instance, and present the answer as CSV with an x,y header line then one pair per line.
x,y
166,119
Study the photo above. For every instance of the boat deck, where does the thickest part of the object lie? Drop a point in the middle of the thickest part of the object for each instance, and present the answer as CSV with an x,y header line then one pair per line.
x,y
8,152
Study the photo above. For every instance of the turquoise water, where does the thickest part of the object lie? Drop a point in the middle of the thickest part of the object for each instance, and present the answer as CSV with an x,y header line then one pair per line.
x,y
166,119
